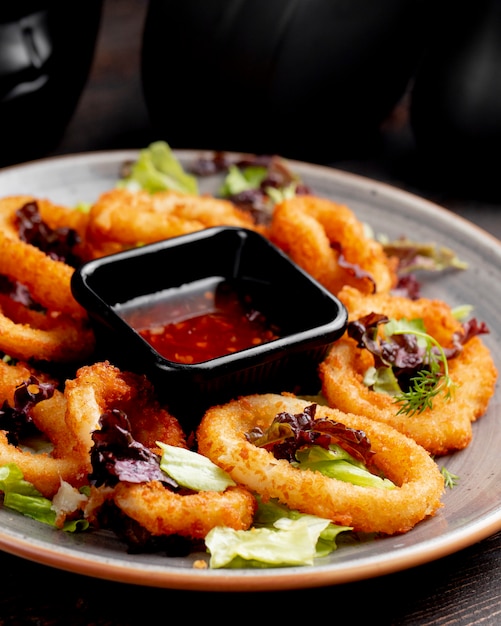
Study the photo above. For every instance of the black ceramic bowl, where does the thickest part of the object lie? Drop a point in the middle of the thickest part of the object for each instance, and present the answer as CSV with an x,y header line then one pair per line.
x,y
309,318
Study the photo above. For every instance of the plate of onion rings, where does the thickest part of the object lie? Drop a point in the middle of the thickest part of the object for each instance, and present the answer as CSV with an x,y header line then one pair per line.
x,y
471,509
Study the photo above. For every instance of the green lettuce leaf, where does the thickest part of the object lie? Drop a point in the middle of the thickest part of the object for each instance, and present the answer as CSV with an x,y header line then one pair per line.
x,y
12,481
252,177
284,193
279,538
157,169
193,470
337,463
36,507
21,496
383,380
238,180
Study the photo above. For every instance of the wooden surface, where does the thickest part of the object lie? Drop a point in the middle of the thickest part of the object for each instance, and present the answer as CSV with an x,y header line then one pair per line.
x,y
461,589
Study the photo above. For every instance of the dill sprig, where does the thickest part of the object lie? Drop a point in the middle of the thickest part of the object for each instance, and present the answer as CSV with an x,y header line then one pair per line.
x,y
450,479
428,382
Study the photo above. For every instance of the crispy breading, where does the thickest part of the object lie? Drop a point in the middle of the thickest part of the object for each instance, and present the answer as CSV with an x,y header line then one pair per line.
x,y
419,483
45,470
122,218
47,279
322,236
447,425
163,512
101,387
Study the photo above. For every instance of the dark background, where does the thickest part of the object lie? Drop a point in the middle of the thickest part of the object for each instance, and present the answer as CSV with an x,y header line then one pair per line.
x,y
112,113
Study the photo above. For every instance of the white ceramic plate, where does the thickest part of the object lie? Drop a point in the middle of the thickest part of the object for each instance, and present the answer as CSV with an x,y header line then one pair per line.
x,y
472,510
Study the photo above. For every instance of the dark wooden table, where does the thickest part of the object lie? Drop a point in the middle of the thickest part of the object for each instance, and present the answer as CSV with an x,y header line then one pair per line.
x,y
461,589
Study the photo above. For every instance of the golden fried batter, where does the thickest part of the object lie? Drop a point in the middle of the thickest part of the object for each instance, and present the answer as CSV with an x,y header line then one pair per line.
x,y
164,512
447,425
45,470
101,387
47,279
123,218
308,229
221,437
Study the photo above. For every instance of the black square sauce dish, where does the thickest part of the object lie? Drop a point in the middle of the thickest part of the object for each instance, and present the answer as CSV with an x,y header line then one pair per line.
x,y
210,316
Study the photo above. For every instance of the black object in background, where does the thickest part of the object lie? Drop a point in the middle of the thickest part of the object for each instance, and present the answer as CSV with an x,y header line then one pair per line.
x,y
46,51
456,100
309,79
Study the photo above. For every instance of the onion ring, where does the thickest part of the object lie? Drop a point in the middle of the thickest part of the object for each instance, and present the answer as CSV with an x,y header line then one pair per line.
x,y
46,470
101,387
315,232
60,339
222,438
58,216
163,512
447,425
48,280
122,218
62,332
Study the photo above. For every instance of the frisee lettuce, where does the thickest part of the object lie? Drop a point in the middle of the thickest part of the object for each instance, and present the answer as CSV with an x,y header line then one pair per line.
x,y
157,169
253,177
242,179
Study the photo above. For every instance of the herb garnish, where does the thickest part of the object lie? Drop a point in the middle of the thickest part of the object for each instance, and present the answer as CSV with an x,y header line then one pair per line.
x,y
407,354
429,381
451,480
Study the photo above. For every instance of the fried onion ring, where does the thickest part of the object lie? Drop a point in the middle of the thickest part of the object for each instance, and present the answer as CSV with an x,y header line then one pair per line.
x,y
447,425
101,387
45,470
58,216
122,218
47,279
163,512
315,232
58,338
61,332
54,215
222,437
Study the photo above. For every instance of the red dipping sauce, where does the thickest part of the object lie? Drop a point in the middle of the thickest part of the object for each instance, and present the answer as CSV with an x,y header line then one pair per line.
x,y
199,321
